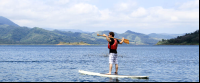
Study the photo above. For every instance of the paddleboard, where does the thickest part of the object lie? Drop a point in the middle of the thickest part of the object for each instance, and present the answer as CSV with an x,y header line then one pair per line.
x,y
117,76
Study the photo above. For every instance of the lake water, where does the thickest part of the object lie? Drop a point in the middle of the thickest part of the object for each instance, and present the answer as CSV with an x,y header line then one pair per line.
x,y
49,63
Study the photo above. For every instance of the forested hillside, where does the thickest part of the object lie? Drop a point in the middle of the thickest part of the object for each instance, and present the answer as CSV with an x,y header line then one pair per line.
x,y
11,33
25,35
187,39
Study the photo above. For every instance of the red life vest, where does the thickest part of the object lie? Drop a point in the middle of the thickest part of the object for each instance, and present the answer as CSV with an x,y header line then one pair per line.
x,y
114,46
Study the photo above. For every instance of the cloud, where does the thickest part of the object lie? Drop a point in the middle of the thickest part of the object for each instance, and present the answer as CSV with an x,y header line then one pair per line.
x,y
125,6
61,2
105,14
80,14
140,12
190,4
83,8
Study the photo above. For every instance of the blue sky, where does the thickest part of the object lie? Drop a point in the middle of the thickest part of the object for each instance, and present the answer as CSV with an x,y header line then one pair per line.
x,y
143,16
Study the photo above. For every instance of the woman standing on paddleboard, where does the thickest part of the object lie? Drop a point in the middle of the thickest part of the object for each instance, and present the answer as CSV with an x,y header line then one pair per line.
x,y
112,45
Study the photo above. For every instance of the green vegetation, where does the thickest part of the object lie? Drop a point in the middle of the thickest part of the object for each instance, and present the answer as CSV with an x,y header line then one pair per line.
x,y
133,37
11,33
187,39
25,35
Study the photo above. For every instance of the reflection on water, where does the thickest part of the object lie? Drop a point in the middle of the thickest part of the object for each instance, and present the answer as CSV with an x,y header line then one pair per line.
x,y
114,80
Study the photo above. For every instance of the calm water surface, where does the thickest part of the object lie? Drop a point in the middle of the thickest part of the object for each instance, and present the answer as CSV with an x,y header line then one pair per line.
x,y
32,63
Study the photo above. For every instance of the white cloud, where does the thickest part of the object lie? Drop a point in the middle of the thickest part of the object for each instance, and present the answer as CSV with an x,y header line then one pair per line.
x,y
172,14
190,4
61,2
125,6
105,14
140,12
78,13
174,18
83,8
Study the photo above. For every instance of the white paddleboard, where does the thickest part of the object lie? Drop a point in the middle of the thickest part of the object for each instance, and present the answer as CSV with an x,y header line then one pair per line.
x,y
117,76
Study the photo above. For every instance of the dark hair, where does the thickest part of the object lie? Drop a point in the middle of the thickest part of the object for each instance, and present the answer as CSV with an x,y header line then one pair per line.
x,y
112,33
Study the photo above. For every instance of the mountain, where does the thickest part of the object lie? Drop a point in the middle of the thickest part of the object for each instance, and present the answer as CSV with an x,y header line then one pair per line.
x,y
139,38
5,21
67,30
164,36
11,33
74,30
134,37
25,35
187,39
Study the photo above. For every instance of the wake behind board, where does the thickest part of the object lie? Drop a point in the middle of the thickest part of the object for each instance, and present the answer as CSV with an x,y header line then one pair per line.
x,y
118,76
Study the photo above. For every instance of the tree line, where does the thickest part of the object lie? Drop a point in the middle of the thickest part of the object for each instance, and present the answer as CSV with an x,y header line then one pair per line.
x,y
187,39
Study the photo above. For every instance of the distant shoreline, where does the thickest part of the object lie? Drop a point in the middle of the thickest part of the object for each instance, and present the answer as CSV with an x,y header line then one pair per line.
x,y
55,44
177,44
92,44
74,43
45,44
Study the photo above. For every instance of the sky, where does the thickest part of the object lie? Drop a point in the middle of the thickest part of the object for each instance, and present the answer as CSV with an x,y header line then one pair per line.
x,y
142,16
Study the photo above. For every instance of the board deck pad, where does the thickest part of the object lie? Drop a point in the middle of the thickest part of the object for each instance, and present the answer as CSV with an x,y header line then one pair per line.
x,y
118,76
